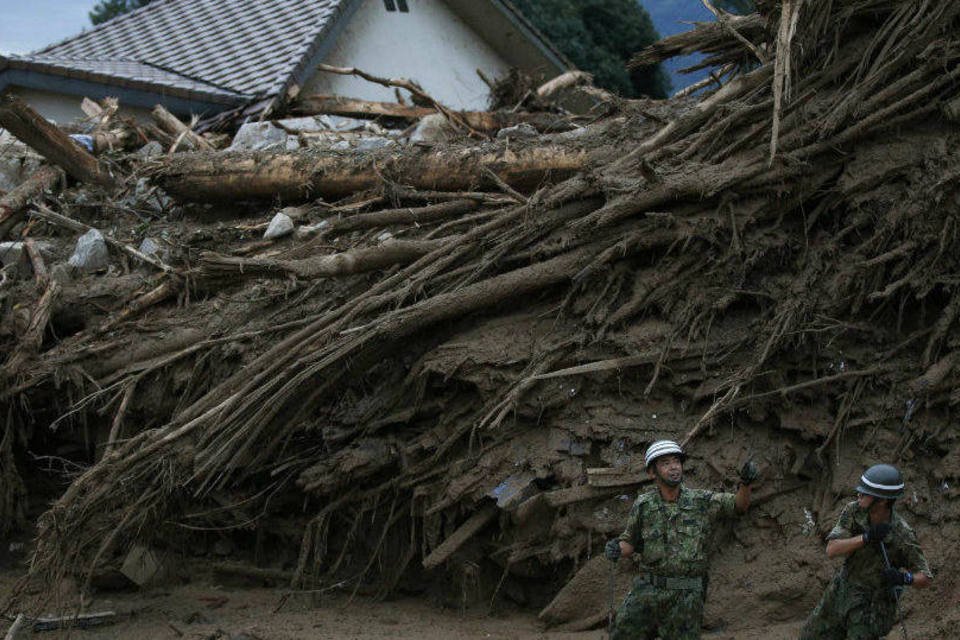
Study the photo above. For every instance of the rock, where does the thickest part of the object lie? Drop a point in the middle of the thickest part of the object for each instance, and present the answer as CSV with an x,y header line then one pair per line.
x,y
519,132
90,253
150,247
143,566
150,150
372,143
431,129
263,136
341,145
281,225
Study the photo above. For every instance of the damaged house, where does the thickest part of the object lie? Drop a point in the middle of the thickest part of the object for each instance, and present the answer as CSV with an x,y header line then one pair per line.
x,y
205,57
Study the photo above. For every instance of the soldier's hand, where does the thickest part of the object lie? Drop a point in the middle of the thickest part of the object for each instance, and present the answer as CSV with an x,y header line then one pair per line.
x,y
897,578
749,472
612,550
876,533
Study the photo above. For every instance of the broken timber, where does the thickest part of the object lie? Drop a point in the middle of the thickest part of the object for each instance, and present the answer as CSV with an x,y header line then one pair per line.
x,y
170,124
486,121
53,144
464,532
14,204
302,176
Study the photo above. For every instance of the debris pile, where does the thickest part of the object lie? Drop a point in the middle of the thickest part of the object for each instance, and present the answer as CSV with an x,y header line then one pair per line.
x,y
438,363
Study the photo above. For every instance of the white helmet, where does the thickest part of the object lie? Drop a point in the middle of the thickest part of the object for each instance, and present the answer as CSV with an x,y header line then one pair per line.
x,y
662,448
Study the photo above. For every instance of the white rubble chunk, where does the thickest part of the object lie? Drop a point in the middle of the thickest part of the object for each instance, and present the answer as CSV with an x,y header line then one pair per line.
x,y
432,128
281,225
261,136
91,253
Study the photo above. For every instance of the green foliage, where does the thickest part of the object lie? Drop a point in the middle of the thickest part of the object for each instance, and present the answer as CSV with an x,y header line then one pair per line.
x,y
739,7
106,9
600,36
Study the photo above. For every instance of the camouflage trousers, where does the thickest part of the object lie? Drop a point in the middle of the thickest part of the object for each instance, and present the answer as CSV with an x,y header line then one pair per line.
x,y
846,612
649,612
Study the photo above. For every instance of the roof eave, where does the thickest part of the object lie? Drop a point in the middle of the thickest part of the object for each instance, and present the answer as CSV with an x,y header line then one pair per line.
x,y
131,94
53,77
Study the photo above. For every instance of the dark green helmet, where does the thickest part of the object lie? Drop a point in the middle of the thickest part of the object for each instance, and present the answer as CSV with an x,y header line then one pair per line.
x,y
881,481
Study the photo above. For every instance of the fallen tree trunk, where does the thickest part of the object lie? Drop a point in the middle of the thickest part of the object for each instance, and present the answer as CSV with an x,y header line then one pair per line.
x,y
297,177
14,204
337,264
53,144
486,121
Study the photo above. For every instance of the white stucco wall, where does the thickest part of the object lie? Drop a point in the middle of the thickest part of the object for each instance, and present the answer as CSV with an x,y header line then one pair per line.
x,y
63,108
430,45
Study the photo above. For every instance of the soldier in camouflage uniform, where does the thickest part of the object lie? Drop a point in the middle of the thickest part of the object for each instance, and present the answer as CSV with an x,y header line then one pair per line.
x,y
861,601
669,527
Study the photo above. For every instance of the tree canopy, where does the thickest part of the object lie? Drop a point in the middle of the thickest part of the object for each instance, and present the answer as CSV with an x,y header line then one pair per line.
x,y
600,36
106,9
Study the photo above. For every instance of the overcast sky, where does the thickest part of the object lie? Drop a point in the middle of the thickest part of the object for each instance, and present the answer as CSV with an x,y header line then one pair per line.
x,y
26,25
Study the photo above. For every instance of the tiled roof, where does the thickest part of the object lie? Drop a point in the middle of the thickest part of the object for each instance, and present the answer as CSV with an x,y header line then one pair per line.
x,y
123,73
249,47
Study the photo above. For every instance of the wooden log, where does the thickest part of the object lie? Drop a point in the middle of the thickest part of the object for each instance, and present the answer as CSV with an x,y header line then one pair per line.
x,y
40,271
337,264
485,121
298,177
158,294
16,628
406,215
53,144
464,532
14,204
356,108
172,125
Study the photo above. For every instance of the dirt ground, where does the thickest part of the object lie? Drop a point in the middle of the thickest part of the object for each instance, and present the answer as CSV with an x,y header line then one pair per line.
x,y
212,612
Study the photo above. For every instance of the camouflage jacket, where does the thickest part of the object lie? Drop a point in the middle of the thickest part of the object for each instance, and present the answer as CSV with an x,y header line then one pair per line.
x,y
863,567
671,538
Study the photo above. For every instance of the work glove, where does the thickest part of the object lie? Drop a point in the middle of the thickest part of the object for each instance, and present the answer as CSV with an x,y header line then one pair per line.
x,y
749,472
612,550
875,533
897,578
